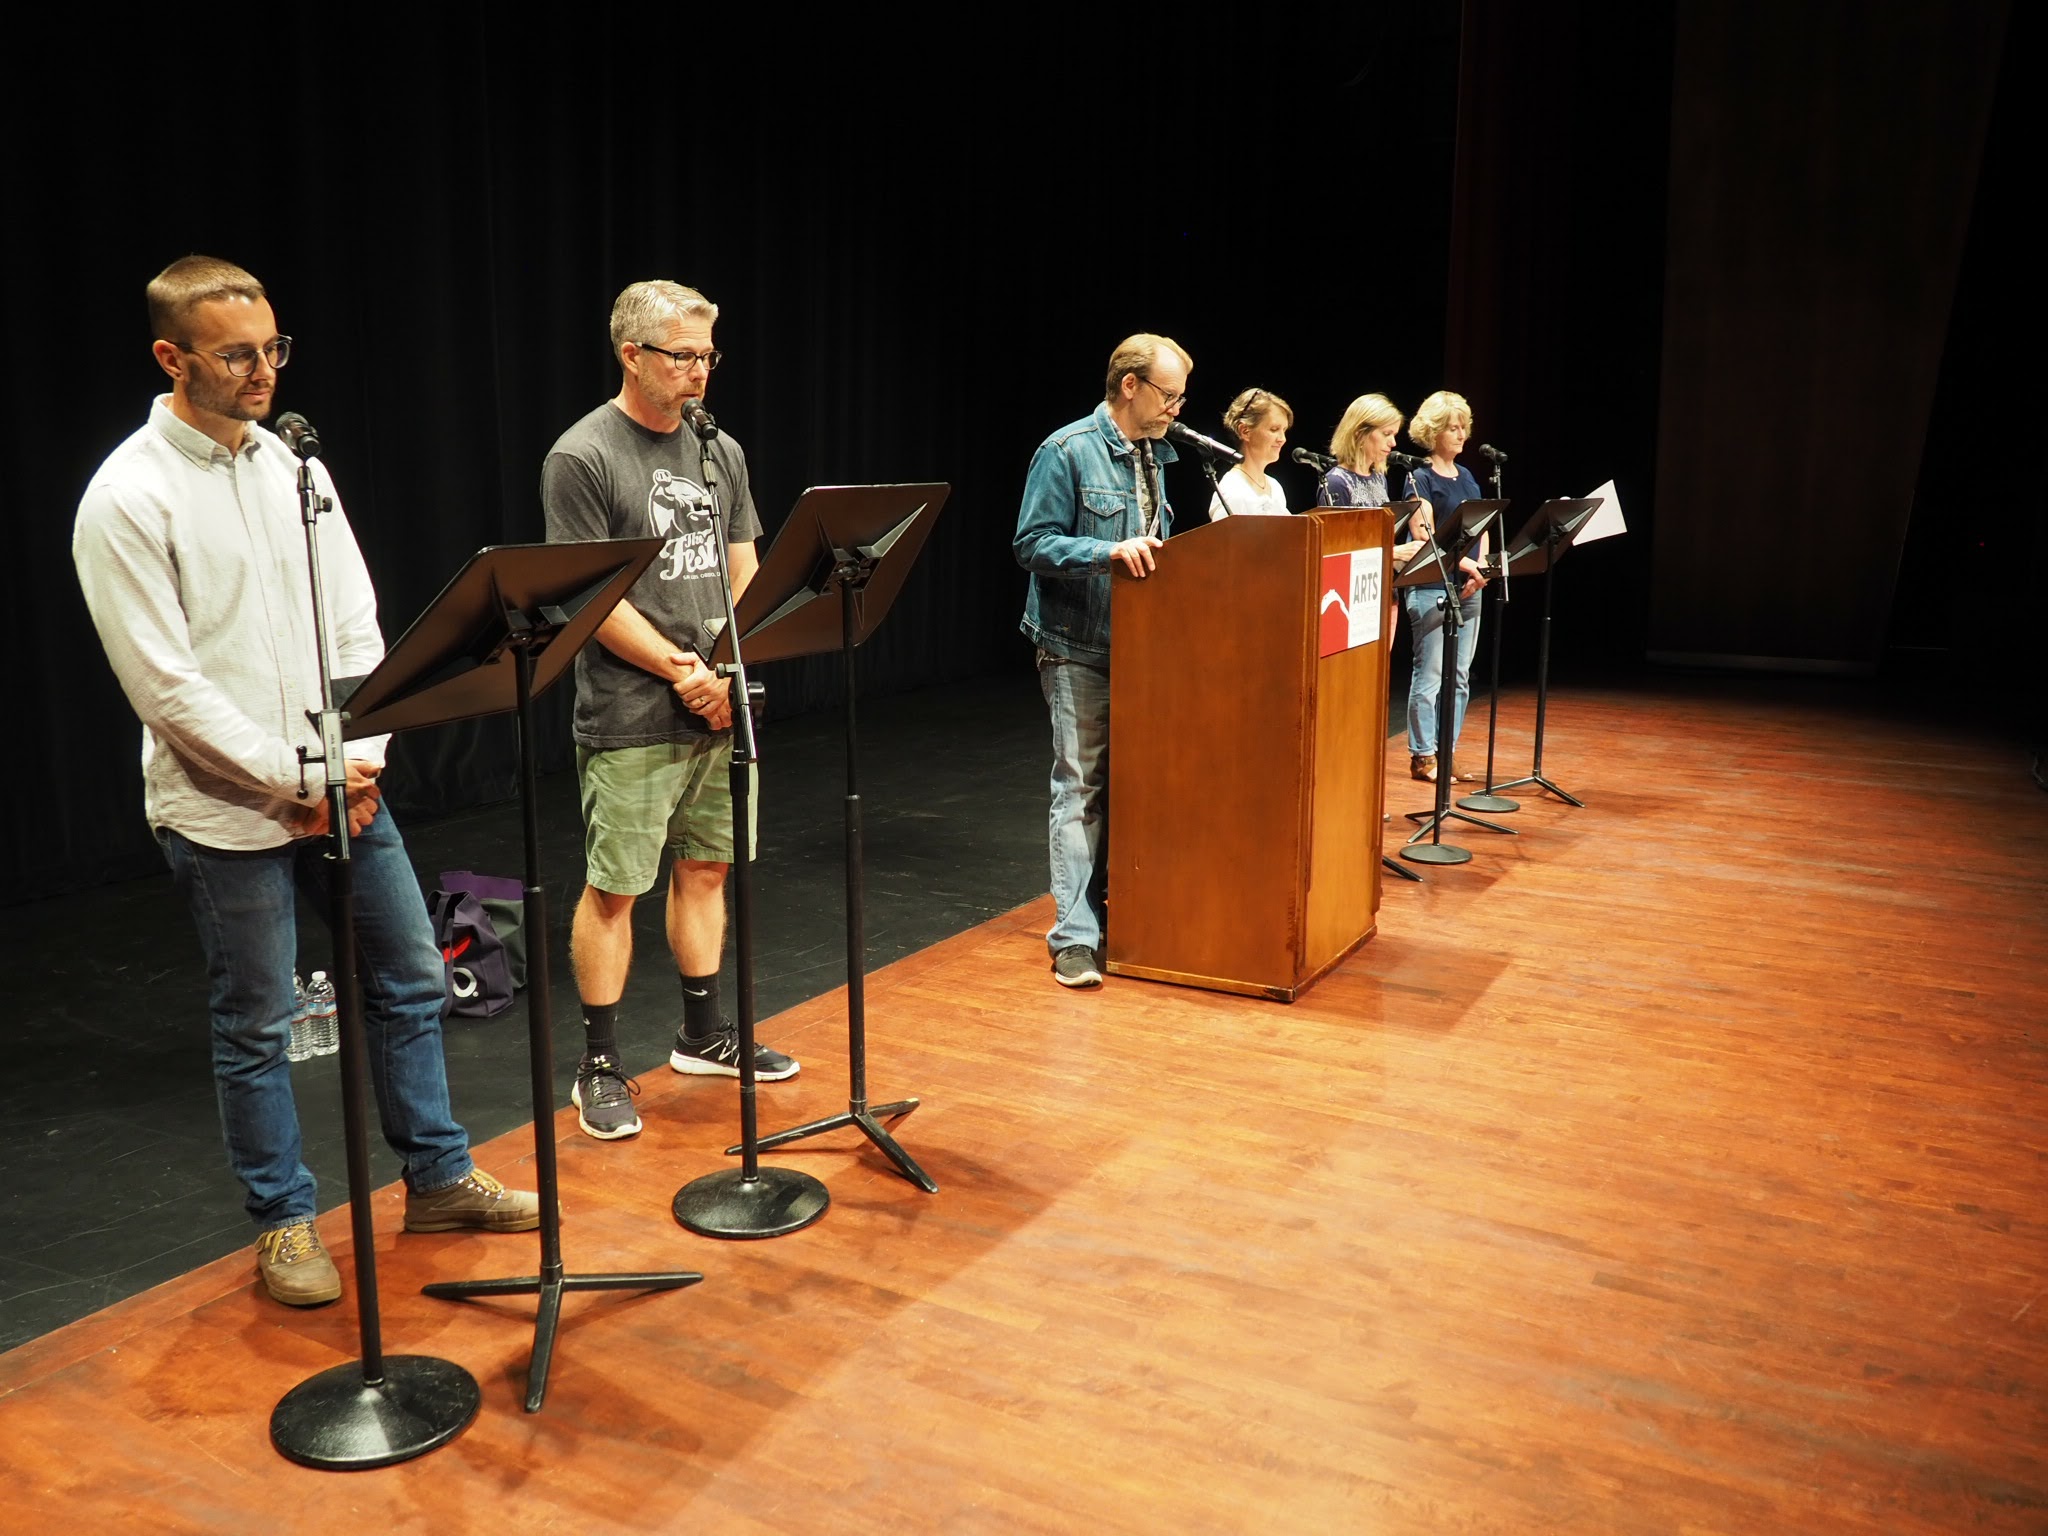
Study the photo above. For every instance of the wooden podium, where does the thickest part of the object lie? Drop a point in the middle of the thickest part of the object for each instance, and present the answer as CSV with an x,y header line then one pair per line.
x,y
1245,765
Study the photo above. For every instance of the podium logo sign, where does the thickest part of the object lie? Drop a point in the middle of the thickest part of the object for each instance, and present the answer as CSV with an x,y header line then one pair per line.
x,y
1349,613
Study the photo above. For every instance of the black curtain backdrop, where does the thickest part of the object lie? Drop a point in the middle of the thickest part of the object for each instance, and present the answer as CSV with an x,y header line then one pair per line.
x,y
924,249
925,246
1964,619
1820,206
1553,322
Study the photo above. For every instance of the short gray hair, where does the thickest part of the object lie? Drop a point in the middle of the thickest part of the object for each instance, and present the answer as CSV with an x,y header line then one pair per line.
x,y
649,307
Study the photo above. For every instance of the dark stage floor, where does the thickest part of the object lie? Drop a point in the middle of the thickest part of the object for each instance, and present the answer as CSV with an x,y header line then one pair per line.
x,y
115,1177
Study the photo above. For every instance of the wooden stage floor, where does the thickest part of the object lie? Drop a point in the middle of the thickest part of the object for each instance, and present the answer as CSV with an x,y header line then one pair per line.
x,y
1680,1165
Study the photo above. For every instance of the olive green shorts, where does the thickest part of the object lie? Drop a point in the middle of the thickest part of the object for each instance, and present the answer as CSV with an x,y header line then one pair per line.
x,y
646,806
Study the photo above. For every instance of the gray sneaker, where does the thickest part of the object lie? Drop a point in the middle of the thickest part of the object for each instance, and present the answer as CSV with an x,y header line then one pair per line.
x,y
1074,966
718,1055
603,1097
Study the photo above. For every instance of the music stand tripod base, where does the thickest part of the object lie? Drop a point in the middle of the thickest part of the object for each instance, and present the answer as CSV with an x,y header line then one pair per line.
x,y
337,1421
769,1202
1542,783
869,1121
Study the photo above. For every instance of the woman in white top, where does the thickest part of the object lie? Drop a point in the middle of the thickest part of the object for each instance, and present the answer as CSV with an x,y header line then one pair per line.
x,y
1260,419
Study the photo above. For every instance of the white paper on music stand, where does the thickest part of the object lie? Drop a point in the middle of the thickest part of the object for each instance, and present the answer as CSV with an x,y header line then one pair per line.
x,y
1606,520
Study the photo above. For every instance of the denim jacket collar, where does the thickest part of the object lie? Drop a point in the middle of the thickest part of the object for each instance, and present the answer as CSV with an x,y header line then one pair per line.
x,y
1121,447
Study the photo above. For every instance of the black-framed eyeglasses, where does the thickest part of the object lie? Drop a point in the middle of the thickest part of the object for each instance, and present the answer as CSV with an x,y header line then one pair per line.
x,y
684,360
242,361
1167,398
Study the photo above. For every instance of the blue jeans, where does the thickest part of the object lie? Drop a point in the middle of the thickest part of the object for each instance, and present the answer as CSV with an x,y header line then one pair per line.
x,y
1426,636
1077,697
243,904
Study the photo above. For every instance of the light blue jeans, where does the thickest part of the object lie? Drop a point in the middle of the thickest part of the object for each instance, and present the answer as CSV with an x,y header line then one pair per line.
x,y
1426,640
1077,697
244,906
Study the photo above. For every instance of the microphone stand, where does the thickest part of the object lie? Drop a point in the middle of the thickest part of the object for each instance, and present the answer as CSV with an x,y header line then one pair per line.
x,y
382,1408
1397,611
747,1201
1215,485
1491,803
1437,851
1322,464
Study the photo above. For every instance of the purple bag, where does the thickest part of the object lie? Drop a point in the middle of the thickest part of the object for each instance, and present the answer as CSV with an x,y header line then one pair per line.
x,y
473,959
504,902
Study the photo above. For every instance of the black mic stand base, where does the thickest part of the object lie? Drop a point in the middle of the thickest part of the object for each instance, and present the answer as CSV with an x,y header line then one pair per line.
x,y
736,1203
1405,874
748,1201
1436,853
1493,805
337,1421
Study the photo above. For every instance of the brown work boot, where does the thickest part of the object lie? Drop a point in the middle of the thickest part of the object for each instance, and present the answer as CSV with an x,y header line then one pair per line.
x,y
295,1268
478,1201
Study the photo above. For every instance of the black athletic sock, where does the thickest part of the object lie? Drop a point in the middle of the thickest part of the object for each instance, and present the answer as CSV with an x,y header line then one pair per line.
x,y
701,1014
600,1030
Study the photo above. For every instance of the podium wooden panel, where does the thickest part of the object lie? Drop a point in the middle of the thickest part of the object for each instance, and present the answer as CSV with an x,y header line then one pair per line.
x,y
1245,771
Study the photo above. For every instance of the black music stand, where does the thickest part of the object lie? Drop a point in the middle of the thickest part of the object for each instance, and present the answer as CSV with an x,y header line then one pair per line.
x,y
1541,543
1437,562
502,632
858,543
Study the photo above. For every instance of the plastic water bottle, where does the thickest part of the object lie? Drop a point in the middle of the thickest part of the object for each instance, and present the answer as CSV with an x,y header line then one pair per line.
x,y
320,1023
301,1045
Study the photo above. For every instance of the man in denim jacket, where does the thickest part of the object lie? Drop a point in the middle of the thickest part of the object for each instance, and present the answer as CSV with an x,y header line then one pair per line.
x,y
1093,499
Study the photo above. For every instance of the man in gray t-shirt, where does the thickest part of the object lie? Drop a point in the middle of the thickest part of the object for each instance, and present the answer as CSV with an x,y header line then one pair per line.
x,y
653,723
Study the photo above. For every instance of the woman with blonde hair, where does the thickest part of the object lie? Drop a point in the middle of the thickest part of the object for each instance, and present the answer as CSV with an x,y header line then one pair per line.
x,y
1441,426
1360,446
1260,419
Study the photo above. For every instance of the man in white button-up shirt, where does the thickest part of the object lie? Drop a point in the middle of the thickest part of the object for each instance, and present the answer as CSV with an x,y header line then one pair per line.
x,y
191,551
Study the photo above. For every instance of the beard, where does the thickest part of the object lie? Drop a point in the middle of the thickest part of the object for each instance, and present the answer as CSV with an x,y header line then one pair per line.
x,y
208,391
669,401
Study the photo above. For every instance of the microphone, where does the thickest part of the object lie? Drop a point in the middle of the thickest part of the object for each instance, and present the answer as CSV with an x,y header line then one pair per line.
x,y
298,435
698,420
1188,437
1319,462
1404,460
1493,453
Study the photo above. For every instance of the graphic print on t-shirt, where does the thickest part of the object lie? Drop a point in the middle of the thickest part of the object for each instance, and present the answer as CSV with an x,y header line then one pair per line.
x,y
679,510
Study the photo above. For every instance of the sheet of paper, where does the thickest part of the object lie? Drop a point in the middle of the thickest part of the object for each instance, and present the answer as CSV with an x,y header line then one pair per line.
x,y
1607,520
